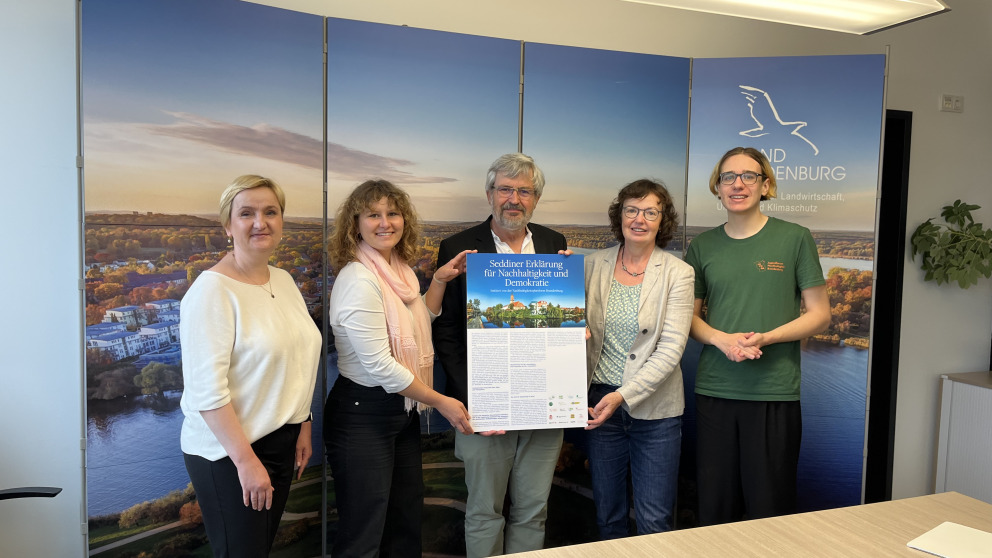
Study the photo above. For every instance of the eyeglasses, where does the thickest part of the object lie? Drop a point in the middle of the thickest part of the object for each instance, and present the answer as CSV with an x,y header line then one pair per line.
x,y
522,193
650,213
747,177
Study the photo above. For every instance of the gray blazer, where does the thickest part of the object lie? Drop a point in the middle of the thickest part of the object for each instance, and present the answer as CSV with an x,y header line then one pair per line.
x,y
652,378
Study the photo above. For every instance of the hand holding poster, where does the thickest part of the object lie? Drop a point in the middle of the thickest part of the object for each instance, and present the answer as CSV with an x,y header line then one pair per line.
x,y
526,341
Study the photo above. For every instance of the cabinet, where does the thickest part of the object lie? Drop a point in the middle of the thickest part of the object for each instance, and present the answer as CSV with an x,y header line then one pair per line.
x,y
964,437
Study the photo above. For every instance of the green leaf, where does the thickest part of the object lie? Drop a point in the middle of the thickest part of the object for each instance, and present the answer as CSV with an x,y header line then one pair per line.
x,y
959,251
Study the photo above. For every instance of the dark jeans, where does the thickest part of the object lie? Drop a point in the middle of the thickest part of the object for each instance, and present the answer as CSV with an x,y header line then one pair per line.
x,y
747,458
234,529
650,449
373,447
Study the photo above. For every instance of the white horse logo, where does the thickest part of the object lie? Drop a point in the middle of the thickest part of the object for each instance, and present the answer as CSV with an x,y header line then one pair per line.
x,y
761,105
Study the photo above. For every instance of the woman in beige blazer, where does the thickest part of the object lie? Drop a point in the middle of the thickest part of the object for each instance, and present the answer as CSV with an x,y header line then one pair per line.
x,y
639,309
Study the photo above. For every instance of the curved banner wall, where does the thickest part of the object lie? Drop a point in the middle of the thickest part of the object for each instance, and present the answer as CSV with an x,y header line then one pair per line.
x,y
179,97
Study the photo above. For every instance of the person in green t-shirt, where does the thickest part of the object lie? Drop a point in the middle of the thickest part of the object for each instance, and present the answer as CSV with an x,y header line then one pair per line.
x,y
752,273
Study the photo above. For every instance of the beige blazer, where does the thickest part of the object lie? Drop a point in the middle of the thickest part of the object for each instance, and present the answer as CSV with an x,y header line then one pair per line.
x,y
652,378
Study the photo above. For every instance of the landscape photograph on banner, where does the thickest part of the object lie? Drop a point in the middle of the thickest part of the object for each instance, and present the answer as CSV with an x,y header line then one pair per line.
x,y
179,99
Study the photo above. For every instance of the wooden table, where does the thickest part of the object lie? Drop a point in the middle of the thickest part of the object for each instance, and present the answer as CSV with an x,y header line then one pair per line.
x,y
872,530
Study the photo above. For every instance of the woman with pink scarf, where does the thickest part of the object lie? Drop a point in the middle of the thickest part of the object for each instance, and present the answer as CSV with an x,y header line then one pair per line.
x,y
382,332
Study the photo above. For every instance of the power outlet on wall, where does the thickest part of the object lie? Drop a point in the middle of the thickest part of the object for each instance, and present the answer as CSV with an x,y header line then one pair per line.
x,y
951,103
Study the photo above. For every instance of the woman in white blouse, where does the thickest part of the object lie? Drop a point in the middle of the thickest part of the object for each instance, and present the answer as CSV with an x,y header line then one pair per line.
x,y
382,332
250,357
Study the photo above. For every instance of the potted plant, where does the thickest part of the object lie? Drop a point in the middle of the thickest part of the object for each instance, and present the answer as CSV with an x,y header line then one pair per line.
x,y
958,251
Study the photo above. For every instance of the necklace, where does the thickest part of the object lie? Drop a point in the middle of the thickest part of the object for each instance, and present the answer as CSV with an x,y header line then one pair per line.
x,y
629,272
267,286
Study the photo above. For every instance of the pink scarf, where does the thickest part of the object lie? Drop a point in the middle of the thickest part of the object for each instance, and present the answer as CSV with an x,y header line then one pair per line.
x,y
408,322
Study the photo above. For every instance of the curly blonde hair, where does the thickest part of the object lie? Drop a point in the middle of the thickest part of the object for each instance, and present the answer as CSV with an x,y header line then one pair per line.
x,y
343,243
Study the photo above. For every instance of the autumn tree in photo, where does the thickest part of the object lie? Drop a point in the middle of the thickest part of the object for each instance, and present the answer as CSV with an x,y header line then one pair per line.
x,y
849,291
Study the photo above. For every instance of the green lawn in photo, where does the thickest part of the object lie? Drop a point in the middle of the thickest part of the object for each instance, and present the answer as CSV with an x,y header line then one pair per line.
x,y
445,483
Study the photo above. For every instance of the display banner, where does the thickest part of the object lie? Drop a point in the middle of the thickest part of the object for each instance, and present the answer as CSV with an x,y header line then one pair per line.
x,y
526,341
818,120
180,97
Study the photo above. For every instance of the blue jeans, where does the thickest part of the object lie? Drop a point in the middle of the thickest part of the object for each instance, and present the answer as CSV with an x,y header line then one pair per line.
x,y
650,449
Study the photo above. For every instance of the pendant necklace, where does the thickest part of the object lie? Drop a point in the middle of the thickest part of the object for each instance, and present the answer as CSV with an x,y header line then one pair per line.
x,y
629,272
267,286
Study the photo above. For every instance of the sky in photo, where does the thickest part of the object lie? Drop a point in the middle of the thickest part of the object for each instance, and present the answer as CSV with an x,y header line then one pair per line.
x,y
601,119
181,96
426,110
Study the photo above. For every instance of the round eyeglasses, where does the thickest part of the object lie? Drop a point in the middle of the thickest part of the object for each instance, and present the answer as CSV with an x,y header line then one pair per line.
x,y
747,177
650,213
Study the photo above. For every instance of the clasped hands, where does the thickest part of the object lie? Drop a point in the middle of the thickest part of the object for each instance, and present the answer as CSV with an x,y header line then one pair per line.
x,y
739,347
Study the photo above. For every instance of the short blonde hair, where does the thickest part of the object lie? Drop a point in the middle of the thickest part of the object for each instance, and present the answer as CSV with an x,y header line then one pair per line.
x,y
247,182
759,157
344,240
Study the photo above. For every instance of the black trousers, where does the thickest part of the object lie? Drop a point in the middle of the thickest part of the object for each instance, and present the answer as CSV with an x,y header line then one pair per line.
x,y
373,447
747,458
236,530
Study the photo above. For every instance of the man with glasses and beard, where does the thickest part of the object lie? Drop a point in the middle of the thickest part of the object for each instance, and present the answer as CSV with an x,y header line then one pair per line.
x,y
521,460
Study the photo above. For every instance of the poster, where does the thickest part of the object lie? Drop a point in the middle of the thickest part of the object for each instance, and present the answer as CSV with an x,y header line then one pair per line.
x,y
526,341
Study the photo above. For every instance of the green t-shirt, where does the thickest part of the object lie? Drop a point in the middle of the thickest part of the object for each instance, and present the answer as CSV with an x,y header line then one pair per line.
x,y
753,284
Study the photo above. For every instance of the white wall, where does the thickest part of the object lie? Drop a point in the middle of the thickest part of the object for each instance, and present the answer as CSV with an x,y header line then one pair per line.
x,y
944,329
40,398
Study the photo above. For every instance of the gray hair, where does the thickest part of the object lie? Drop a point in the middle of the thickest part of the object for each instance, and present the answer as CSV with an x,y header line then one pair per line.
x,y
513,165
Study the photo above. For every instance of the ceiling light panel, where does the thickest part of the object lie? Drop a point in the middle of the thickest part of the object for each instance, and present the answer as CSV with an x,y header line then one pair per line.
x,y
848,16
